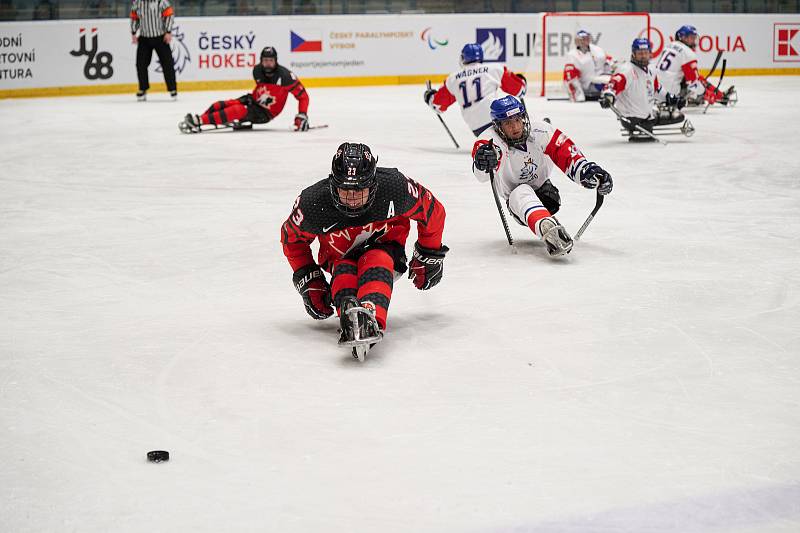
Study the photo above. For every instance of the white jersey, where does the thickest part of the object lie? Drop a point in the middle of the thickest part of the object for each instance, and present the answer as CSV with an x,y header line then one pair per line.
x,y
524,168
594,66
475,87
677,63
636,90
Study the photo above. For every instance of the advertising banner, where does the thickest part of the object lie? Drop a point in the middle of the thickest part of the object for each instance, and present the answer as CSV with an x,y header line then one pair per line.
x,y
85,56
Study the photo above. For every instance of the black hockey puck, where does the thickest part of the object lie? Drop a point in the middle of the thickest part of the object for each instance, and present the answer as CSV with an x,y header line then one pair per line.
x,y
158,456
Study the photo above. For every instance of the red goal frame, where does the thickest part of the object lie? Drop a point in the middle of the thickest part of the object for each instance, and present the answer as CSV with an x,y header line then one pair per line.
x,y
545,16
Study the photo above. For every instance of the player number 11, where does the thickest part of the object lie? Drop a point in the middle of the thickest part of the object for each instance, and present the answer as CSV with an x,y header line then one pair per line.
x,y
463,86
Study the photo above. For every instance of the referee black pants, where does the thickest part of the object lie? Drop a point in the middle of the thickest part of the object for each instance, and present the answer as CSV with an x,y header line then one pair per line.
x,y
144,53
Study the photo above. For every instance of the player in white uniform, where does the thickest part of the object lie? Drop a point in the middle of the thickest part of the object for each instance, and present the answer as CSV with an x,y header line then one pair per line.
x,y
587,69
521,156
474,87
677,70
636,91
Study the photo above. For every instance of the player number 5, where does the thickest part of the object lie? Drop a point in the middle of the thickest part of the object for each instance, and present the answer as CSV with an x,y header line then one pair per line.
x,y
666,60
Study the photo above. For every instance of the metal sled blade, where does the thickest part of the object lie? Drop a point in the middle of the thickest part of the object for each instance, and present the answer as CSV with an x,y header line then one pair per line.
x,y
353,315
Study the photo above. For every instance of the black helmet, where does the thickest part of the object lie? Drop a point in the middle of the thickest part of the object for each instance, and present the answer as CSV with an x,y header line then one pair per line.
x,y
269,51
353,168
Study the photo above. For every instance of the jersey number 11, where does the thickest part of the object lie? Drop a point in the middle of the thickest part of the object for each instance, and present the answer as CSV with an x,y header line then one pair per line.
x,y
463,86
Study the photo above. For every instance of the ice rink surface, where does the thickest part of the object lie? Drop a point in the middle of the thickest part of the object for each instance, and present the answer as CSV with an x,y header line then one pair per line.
x,y
649,382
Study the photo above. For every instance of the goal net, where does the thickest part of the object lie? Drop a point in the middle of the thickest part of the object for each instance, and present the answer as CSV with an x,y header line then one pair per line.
x,y
612,31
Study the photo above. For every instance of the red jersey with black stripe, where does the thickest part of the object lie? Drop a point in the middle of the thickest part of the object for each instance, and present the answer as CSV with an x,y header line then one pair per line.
x,y
273,89
398,201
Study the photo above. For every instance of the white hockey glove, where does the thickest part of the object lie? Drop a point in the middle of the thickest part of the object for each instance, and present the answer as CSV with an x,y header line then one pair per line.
x,y
607,100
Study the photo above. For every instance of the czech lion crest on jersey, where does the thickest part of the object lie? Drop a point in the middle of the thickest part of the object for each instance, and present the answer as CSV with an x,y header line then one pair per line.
x,y
528,170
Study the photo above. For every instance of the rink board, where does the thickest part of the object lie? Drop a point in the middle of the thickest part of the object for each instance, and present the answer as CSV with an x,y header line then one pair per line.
x,y
97,56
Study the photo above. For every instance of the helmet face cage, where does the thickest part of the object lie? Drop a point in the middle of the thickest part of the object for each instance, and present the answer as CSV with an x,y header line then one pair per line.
x,y
638,45
684,32
509,108
471,53
353,169
267,52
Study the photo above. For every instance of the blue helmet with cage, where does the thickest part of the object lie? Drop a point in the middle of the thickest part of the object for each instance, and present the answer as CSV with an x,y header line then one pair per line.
x,y
687,30
509,108
639,45
471,53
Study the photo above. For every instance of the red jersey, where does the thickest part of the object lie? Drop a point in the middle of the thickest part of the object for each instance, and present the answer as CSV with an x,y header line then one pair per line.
x,y
272,90
398,201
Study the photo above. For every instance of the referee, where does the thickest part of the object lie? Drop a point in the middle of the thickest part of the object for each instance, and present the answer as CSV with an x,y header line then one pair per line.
x,y
153,19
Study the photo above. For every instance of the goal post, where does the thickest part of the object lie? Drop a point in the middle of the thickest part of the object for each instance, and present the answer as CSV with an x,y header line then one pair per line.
x,y
613,31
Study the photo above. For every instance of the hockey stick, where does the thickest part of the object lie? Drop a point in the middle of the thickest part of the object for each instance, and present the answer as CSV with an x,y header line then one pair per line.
x,y
500,207
558,99
428,85
714,66
636,126
716,89
597,207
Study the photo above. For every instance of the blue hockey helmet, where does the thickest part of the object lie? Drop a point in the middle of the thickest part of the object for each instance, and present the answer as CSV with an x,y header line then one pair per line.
x,y
687,30
471,53
639,45
509,108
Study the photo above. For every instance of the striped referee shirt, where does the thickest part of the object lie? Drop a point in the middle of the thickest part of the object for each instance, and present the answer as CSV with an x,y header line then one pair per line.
x,y
153,18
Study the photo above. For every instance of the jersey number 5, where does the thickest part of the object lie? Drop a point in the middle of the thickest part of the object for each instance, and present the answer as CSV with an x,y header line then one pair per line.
x,y
666,60
463,86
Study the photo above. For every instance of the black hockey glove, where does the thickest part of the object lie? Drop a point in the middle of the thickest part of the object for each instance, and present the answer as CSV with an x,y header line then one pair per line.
x,y
607,100
310,282
486,157
428,96
675,100
301,122
426,266
593,176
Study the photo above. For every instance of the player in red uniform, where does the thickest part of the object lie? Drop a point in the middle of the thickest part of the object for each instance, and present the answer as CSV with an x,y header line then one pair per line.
x,y
361,215
274,83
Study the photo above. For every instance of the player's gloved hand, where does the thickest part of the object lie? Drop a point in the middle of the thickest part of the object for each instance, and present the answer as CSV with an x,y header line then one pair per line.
x,y
593,176
607,100
310,282
428,96
675,100
426,266
301,122
486,157
524,81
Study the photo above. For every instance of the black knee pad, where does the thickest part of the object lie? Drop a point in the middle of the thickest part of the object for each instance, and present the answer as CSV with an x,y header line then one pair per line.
x,y
549,196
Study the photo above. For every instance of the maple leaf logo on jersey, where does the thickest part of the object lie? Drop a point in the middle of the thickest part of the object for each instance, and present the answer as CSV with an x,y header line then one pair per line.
x,y
263,97
528,171
349,239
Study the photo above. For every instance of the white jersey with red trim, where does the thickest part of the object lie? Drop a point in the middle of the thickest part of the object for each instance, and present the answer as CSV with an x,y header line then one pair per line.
x,y
593,66
636,90
475,87
531,162
677,63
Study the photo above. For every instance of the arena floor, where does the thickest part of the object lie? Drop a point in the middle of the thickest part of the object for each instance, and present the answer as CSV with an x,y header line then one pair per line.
x,y
649,382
